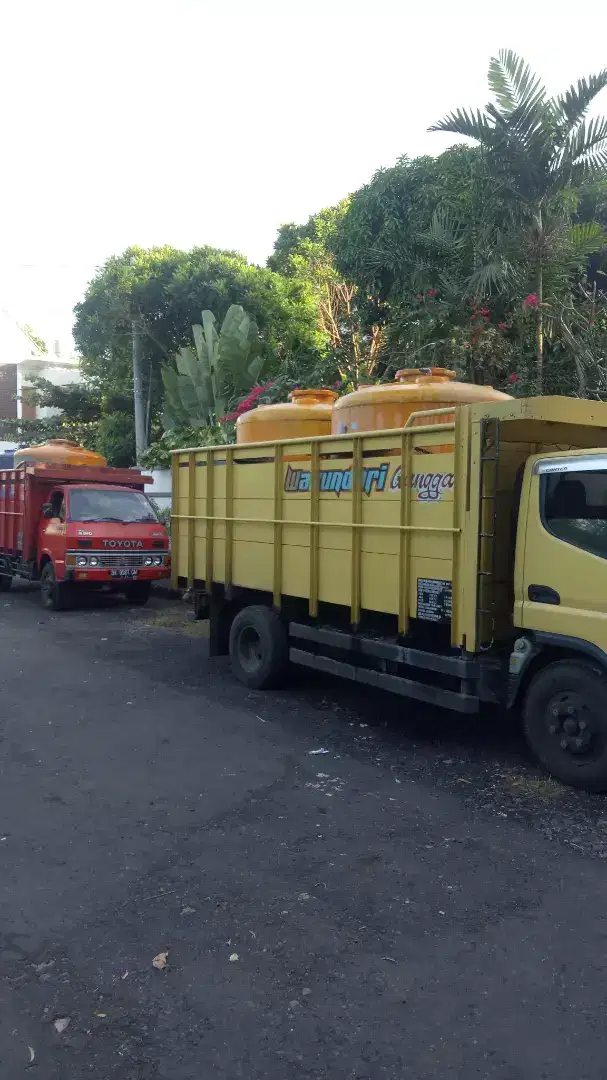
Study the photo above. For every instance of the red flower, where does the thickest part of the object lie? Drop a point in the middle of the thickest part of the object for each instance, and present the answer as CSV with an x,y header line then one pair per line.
x,y
531,301
513,378
246,404
502,326
419,296
432,292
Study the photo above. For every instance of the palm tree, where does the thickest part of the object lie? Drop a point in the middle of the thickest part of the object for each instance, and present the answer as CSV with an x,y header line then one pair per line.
x,y
538,147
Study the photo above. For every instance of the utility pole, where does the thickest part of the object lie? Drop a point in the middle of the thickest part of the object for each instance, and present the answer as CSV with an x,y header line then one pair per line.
x,y
140,425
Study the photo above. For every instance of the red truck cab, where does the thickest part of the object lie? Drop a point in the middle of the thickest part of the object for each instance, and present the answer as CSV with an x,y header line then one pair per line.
x,y
80,527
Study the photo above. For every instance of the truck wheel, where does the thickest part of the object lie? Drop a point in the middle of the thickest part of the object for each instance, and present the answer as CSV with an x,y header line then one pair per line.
x,y
53,593
565,718
258,648
5,582
138,593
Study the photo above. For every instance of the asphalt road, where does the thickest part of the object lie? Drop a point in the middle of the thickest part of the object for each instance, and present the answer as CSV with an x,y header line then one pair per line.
x,y
416,902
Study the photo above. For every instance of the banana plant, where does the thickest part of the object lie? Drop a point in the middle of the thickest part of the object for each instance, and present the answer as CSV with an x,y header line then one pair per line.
x,y
220,367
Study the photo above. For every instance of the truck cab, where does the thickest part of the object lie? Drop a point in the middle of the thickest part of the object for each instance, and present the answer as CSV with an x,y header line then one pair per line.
x,y
102,536
558,665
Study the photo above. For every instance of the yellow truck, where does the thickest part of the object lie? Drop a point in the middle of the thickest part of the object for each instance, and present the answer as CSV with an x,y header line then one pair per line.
x,y
458,564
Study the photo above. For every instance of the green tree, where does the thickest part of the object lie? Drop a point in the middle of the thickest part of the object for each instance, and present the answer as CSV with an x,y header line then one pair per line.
x,y
416,225
538,148
351,340
164,289
75,400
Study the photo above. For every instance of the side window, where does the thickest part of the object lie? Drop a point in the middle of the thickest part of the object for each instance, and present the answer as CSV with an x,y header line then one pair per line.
x,y
574,509
58,504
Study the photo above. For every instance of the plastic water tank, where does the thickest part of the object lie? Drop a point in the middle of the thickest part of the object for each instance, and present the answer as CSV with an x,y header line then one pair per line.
x,y
59,452
308,413
389,405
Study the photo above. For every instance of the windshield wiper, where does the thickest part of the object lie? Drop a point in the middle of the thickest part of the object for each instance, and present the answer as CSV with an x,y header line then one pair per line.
x,y
119,521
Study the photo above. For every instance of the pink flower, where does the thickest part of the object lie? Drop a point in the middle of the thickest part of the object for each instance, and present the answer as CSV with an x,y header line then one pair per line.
x,y
513,378
531,301
432,292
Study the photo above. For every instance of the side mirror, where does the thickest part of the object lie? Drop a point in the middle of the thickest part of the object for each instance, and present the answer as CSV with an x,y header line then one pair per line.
x,y
47,510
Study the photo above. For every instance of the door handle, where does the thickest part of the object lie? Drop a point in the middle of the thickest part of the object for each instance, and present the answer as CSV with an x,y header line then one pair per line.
x,y
543,594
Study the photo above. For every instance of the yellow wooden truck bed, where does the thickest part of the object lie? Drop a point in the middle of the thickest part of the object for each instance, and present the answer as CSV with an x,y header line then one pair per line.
x,y
411,523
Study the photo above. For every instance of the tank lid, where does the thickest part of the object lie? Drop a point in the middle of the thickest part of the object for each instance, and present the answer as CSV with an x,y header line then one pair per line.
x,y
322,396
425,375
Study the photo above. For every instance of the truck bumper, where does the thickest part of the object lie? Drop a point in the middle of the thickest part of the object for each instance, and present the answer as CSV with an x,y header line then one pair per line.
x,y
116,579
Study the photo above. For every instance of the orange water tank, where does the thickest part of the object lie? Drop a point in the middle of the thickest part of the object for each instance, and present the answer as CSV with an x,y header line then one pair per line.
x,y
307,414
59,452
389,405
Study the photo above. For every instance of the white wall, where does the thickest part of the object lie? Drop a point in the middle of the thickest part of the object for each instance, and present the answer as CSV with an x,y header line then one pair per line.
x,y
48,367
160,488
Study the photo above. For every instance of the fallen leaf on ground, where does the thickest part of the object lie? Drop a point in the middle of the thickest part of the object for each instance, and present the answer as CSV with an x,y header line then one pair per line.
x,y
160,961
61,1023
234,956
320,751
101,1015
32,1054
188,910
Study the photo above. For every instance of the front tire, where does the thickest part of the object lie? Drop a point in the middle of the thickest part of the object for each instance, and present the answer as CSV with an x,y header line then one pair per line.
x,y
5,582
54,594
259,649
565,720
138,593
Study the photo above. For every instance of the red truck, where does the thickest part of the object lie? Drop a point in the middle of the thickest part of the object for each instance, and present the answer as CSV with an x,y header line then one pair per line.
x,y
73,526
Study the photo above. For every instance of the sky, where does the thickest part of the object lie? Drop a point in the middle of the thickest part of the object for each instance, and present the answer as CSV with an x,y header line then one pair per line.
x,y
190,122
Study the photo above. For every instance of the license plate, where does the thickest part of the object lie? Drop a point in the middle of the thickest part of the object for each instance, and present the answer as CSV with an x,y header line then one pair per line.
x,y
124,573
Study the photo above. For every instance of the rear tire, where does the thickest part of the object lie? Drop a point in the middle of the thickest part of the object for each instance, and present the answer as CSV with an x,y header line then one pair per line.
x,y
565,719
259,649
54,594
5,582
138,593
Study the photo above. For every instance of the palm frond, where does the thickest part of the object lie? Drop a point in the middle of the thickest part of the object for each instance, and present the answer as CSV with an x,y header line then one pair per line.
x,y
513,83
586,169
493,277
571,107
587,139
444,231
461,122
584,240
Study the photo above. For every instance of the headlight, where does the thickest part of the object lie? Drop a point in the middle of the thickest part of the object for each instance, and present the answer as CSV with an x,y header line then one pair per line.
x,y
148,560
82,560
93,561
158,560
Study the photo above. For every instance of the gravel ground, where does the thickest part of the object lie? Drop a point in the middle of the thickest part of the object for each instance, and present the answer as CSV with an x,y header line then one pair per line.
x,y
346,886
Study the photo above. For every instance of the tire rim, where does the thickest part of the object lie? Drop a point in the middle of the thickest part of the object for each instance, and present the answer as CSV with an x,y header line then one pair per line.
x,y
575,727
249,648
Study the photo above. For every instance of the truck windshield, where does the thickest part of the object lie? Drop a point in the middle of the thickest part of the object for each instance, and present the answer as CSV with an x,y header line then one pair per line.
x,y
575,509
95,504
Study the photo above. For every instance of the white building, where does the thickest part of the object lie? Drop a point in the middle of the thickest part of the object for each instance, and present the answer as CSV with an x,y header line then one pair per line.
x,y
20,359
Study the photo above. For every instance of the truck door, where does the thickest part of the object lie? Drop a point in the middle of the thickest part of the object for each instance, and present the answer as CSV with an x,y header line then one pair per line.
x,y
561,557
53,531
